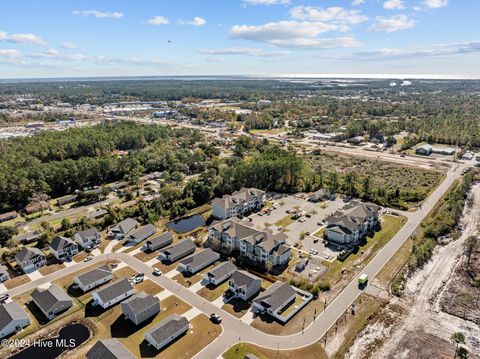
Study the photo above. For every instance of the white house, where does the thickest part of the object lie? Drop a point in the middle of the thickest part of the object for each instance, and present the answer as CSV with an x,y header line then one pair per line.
x,y
244,285
51,301
166,331
12,319
121,229
220,273
196,262
30,258
88,237
94,278
63,248
113,293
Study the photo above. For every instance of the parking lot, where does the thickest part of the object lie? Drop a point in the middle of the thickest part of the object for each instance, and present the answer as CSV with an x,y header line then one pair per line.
x,y
317,212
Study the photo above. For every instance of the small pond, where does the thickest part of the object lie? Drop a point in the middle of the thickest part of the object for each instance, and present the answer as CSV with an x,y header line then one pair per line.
x,y
69,338
186,224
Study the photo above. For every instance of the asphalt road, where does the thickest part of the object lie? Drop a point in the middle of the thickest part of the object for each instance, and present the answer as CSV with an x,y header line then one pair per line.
x,y
234,330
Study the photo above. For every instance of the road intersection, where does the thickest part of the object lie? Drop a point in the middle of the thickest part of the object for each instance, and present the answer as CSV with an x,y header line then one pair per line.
x,y
234,329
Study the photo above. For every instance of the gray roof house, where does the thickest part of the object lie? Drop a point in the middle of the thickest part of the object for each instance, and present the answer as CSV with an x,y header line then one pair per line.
x,y
12,319
67,199
178,250
113,293
141,233
349,225
275,298
94,278
30,258
140,307
197,261
322,194
166,331
220,273
244,285
3,274
87,237
63,248
52,300
29,237
159,241
109,349
121,229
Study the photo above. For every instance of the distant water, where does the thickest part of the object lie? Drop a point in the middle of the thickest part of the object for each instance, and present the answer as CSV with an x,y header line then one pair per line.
x,y
186,224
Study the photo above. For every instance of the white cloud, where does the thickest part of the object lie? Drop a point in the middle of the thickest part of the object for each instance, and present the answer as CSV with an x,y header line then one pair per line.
x,y
196,21
435,4
21,38
98,14
69,45
394,5
158,20
248,51
215,59
335,14
266,2
300,34
50,53
358,2
435,50
392,24
10,53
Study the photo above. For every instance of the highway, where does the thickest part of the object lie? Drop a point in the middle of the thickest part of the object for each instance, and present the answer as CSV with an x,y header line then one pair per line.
x,y
234,330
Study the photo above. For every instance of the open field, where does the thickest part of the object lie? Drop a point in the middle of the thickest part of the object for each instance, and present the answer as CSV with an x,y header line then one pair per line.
x,y
145,257
51,268
239,351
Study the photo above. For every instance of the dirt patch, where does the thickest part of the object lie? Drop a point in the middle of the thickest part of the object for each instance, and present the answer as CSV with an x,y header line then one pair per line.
x,y
420,345
16,281
314,351
51,268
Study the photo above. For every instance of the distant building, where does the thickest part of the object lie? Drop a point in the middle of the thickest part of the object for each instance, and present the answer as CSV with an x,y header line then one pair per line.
x,y
322,195
8,216
351,224
109,349
238,203
244,285
12,319
51,301
257,246
140,307
113,293
427,150
30,258
66,200
166,331
178,250
37,207
220,273
27,238
196,262
63,248
94,278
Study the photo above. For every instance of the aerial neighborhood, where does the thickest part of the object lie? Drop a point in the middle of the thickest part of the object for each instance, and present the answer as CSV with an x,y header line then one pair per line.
x,y
238,218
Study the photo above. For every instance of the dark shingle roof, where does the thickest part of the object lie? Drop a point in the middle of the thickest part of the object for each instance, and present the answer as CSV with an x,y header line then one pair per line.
x,y
94,275
243,279
222,269
59,243
179,248
125,226
275,296
114,289
47,298
26,253
140,302
109,349
161,240
200,258
167,327
90,232
143,231
9,312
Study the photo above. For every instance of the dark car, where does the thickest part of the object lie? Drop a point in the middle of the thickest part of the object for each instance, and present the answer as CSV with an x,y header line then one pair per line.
x,y
4,297
215,318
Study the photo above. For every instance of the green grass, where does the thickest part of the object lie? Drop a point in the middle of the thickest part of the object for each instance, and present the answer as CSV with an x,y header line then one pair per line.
x,y
390,226
285,221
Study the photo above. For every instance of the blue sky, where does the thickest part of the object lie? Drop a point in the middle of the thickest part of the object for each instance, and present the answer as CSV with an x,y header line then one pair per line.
x,y
58,38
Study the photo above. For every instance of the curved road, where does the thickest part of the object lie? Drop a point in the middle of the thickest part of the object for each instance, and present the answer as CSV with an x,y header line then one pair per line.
x,y
234,330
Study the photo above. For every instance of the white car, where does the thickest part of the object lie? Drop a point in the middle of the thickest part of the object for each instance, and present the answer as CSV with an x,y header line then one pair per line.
x,y
88,258
157,272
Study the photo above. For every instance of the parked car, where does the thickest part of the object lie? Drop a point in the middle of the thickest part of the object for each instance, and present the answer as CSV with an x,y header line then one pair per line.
x,y
88,258
315,240
4,297
307,233
157,272
215,318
